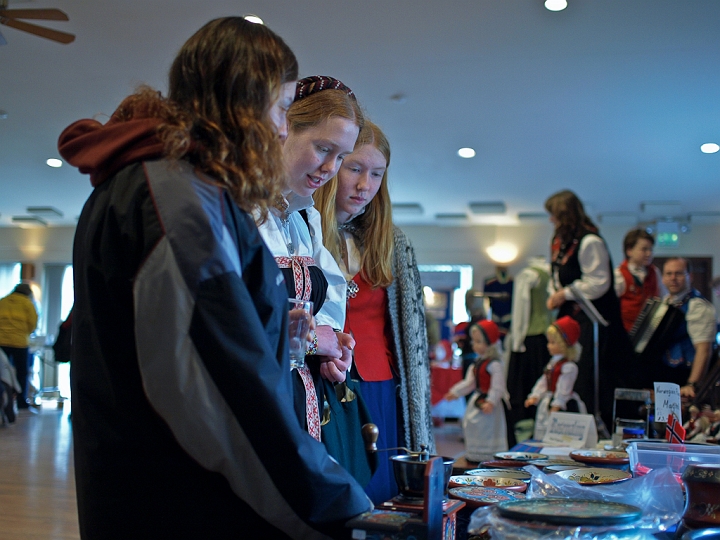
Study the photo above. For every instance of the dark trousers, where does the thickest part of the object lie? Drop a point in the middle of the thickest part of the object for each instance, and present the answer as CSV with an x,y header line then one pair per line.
x,y
20,359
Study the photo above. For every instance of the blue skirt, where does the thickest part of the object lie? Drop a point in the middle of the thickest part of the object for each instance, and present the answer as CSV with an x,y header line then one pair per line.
x,y
382,403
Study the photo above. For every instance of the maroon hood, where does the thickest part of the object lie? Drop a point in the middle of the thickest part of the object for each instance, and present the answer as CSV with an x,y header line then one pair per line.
x,y
102,150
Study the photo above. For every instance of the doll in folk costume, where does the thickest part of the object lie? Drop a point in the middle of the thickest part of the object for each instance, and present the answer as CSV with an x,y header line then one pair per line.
x,y
553,391
484,424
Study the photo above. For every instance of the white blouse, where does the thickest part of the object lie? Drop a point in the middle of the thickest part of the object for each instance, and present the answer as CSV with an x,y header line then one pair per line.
x,y
303,240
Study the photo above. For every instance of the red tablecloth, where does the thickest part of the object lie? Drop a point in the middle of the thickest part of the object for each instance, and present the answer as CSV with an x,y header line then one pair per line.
x,y
441,380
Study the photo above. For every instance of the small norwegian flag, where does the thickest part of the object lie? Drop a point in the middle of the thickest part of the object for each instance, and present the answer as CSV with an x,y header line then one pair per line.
x,y
674,432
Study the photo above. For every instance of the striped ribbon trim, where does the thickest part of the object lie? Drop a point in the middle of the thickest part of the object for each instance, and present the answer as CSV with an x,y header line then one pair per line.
x,y
312,411
303,288
301,273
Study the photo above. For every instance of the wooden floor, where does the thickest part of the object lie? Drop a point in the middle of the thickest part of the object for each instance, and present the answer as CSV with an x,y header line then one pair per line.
x,y
37,483
37,480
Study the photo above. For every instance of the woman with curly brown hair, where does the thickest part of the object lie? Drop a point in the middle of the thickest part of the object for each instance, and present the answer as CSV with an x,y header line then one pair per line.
x,y
183,418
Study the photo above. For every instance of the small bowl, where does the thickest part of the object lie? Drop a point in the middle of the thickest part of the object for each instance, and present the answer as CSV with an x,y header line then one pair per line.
x,y
409,472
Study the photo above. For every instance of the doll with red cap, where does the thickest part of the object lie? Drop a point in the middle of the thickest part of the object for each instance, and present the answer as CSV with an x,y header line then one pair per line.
x,y
484,425
553,391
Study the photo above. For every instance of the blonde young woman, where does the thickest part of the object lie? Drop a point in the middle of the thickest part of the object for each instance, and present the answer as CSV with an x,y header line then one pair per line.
x,y
384,295
323,126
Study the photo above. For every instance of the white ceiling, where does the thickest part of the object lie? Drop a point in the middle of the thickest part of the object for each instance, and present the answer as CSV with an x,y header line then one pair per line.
x,y
610,98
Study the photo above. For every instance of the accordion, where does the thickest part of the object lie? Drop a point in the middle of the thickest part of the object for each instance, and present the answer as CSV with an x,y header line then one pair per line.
x,y
654,329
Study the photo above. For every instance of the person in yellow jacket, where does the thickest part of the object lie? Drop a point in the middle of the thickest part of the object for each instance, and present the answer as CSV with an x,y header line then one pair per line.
x,y
18,319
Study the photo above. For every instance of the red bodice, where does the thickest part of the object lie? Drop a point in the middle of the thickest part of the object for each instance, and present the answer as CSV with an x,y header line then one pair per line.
x,y
368,323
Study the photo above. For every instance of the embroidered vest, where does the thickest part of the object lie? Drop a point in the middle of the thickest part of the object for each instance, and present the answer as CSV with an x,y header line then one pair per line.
x,y
553,374
366,321
482,376
565,261
636,294
682,350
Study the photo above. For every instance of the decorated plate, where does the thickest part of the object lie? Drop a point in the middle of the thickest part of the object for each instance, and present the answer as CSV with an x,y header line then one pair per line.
x,y
601,457
476,496
543,463
503,464
519,456
570,511
590,476
488,481
552,469
517,474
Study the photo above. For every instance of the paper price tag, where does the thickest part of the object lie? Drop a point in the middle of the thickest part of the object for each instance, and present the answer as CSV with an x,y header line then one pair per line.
x,y
667,401
571,429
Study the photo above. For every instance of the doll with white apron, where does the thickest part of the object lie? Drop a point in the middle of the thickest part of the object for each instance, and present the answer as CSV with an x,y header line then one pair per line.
x,y
484,425
553,391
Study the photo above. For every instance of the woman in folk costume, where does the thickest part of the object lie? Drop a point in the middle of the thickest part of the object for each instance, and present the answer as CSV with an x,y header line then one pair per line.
x,y
553,391
323,125
484,423
385,301
581,264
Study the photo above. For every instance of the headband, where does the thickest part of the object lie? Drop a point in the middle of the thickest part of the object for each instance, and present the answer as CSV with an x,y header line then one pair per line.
x,y
318,83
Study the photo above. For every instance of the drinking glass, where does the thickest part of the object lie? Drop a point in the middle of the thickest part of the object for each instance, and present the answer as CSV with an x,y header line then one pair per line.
x,y
300,313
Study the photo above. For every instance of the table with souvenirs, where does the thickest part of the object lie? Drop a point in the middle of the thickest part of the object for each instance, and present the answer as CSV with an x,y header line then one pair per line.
x,y
644,489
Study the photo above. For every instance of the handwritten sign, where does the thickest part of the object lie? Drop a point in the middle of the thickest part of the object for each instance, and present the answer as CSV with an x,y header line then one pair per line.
x,y
571,429
667,401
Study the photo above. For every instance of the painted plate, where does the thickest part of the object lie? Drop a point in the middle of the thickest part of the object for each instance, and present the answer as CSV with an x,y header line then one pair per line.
x,y
504,464
476,496
601,457
591,476
543,463
552,469
519,456
517,474
512,484
570,511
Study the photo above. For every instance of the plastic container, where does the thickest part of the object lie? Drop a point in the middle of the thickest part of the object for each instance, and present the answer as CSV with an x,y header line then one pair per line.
x,y
646,456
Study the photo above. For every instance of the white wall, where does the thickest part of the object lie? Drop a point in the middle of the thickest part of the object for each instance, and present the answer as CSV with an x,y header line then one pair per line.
x,y
39,246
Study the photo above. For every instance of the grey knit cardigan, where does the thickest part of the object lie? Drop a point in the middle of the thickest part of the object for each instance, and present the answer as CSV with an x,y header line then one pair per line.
x,y
409,333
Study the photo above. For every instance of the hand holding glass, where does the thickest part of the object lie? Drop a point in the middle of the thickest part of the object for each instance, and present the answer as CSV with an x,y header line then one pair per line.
x,y
298,328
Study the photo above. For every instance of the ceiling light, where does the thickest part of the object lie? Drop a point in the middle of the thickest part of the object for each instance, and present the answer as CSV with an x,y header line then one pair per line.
x,y
54,162
451,217
532,216
29,221
502,252
253,19
3,115
709,148
466,153
44,211
493,207
555,5
407,209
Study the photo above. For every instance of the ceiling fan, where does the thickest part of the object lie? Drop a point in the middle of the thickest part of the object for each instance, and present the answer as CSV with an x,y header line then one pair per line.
x,y
9,17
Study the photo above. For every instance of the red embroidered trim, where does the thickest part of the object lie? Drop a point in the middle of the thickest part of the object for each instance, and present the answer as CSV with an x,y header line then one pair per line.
x,y
312,411
301,273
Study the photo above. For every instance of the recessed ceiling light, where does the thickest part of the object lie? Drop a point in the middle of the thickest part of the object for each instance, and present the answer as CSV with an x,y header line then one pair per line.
x,y
53,162
253,19
466,153
555,5
709,148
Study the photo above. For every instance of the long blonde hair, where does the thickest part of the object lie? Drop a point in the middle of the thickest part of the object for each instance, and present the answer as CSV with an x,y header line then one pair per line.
x,y
374,228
